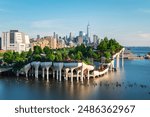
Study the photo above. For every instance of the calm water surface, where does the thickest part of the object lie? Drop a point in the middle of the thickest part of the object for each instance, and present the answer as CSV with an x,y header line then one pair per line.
x,y
130,82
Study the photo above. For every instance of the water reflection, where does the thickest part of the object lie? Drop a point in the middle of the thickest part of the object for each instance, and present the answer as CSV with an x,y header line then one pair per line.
x,y
128,82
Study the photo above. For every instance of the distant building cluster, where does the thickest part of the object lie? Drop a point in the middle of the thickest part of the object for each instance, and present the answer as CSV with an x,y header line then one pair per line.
x,y
18,41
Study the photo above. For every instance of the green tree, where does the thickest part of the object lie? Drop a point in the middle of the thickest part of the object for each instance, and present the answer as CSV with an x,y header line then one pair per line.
x,y
29,53
23,55
46,50
107,55
65,54
106,40
36,57
37,50
95,56
102,46
1,54
87,61
58,56
90,53
16,55
50,57
72,56
79,55
8,57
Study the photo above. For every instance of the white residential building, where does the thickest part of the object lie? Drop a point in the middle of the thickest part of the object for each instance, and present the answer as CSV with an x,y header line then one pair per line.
x,y
15,40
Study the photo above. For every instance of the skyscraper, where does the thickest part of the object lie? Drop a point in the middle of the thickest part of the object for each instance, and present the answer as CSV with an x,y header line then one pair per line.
x,y
95,39
81,33
88,34
88,29
38,36
54,35
15,40
70,36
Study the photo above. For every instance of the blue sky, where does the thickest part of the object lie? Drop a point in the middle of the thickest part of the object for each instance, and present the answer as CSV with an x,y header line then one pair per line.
x,y
126,20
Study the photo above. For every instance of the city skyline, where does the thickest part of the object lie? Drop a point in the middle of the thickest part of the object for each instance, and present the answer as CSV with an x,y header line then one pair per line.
x,y
126,20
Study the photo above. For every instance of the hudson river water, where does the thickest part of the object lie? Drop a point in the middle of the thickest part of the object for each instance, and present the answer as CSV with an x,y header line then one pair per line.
x,y
130,82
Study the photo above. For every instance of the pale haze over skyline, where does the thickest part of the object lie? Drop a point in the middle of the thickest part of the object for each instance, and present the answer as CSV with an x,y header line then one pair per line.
x,y
128,21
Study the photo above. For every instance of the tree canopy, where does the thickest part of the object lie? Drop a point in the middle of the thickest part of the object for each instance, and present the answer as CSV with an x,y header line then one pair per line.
x,y
106,48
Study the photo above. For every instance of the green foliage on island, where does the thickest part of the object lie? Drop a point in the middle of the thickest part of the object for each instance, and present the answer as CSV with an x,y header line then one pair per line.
x,y
1,54
105,49
111,46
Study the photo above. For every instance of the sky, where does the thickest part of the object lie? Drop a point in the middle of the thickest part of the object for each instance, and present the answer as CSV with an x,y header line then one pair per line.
x,y
128,21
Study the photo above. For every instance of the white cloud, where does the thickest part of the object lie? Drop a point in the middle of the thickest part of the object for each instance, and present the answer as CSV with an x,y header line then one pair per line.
x,y
144,35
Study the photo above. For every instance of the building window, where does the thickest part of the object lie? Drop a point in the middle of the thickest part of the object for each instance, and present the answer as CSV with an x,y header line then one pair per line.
x,y
12,38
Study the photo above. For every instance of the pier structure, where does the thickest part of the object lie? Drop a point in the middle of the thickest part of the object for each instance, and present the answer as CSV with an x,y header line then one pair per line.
x,y
36,65
45,65
58,66
88,68
72,69
117,56
69,68
26,68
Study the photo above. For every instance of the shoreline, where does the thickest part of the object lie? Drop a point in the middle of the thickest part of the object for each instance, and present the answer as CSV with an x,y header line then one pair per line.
x,y
130,56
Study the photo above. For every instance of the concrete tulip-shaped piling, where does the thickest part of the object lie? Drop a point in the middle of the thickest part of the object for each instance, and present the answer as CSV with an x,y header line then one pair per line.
x,y
46,65
36,67
58,66
71,66
66,73
89,68
26,69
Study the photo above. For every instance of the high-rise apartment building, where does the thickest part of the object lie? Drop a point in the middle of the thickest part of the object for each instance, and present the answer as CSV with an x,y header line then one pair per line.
x,y
81,33
95,39
61,43
15,40
79,40
54,35
38,36
70,37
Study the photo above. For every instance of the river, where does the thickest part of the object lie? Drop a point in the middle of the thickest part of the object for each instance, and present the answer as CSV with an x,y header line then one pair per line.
x,y
130,82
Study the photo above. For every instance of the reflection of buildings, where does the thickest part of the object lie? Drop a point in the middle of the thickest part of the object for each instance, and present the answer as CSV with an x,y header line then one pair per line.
x,y
15,40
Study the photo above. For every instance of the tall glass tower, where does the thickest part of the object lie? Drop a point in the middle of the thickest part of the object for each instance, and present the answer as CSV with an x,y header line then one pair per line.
x,y
88,33
88,29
